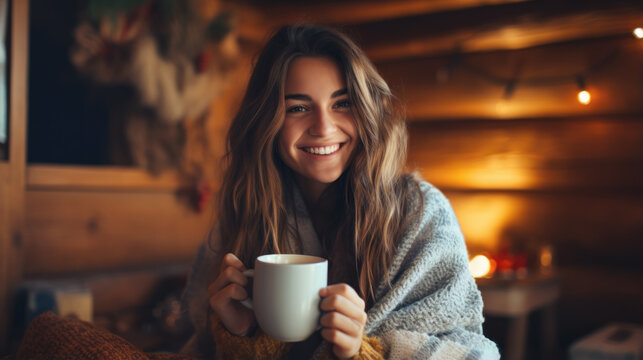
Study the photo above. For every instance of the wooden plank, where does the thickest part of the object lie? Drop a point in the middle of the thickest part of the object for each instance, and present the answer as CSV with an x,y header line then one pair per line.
x,y
100,177
532,154
71,232
390,30
515,26
469,92
277,13
6,251
4,172
18,90
12,191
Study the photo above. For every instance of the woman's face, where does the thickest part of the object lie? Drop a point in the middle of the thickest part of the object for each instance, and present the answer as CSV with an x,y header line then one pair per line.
x,y
318,134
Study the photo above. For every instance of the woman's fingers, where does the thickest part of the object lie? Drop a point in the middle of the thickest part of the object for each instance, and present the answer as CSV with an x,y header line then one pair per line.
x,y
344,346
343,305
227,276
231,259
232,291
344,290
223,292
343,325
231,272
341,322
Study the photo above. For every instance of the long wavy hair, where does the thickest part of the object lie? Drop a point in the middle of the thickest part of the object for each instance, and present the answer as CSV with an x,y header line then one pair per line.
x,y
370,195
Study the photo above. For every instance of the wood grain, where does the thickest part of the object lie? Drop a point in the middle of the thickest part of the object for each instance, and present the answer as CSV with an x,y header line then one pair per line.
x,y
72,232
394,30
493,28
100,177
13,180
531,154
355,12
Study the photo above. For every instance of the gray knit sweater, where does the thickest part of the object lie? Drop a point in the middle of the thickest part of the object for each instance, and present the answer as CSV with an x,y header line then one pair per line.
x,y
433,310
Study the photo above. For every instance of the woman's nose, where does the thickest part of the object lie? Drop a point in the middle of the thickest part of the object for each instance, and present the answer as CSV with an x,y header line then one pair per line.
x,y
322,124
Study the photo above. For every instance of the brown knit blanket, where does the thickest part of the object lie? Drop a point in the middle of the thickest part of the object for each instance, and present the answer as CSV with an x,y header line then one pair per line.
x,y
50,336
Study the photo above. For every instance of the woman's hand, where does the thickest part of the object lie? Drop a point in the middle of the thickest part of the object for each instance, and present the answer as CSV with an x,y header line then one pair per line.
x,y
226,291
344,323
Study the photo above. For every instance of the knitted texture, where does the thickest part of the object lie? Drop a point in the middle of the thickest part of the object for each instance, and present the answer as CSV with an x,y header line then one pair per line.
x,y
432,302
370,349
52,337
257,347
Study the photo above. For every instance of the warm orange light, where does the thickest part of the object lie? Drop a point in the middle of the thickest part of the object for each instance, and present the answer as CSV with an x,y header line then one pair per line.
x,y
584,97
638,32
545,256
481,266
485,218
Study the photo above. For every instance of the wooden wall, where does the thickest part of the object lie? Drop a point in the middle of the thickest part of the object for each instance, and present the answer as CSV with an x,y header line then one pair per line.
x,y
75,231
543,169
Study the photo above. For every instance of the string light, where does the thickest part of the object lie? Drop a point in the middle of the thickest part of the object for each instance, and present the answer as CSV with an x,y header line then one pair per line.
x,y
584,96
638,32
510,84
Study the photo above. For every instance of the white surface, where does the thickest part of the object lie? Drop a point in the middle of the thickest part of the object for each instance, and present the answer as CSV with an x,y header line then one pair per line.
x,y
599,344
285,295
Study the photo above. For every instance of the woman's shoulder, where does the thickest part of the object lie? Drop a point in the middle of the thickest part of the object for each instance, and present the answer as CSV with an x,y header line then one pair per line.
x,y
422,195
428,212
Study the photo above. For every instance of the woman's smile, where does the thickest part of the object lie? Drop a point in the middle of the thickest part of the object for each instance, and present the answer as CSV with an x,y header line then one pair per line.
x,y
324,150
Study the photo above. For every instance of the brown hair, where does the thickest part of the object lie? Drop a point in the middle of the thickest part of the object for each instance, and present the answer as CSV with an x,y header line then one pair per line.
x,y
254,196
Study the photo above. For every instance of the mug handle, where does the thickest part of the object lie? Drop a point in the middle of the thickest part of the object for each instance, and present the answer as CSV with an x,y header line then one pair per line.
x,y
248,302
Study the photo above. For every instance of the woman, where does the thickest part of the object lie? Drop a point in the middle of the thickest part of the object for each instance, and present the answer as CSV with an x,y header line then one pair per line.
x,y
315,158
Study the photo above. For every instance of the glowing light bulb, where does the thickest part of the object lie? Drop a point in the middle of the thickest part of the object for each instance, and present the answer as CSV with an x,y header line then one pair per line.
x,y
479,266
584,97
638,32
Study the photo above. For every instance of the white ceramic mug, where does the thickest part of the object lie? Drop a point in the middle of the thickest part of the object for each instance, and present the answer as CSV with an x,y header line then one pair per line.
x,y
285,294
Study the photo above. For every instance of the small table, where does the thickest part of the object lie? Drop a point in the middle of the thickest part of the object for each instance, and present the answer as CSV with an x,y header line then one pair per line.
x,y
516,299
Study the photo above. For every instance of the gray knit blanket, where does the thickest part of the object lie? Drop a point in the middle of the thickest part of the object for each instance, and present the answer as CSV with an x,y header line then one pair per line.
x,y
432,310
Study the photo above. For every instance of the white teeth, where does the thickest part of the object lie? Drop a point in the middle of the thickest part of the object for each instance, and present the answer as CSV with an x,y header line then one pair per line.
x,y
322,150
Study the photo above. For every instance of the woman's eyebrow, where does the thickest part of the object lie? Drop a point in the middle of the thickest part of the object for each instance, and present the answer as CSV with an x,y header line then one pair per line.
x,y
339,93
308,98
299,97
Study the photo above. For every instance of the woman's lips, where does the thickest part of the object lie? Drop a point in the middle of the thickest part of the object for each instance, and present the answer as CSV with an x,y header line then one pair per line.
x,y
322,150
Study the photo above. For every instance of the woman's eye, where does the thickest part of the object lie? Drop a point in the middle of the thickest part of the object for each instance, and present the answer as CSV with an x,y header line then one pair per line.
x,y
343,104
296,108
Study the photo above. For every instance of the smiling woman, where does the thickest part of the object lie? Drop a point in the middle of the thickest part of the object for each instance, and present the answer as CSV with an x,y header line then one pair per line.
x,y
315,166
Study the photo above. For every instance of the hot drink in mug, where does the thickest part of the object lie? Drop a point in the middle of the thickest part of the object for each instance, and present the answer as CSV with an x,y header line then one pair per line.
x,y
285,294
